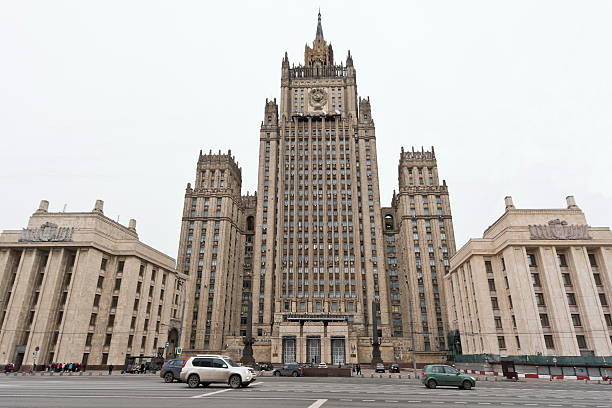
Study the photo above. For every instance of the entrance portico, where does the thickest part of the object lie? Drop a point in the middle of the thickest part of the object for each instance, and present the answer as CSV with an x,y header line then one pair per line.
x,y
313,339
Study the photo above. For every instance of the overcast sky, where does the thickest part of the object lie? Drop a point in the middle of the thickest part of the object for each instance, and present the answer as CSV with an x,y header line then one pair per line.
x,y
113,100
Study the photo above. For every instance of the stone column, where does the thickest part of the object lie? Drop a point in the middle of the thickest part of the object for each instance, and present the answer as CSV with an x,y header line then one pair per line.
x,y
591,312
557,308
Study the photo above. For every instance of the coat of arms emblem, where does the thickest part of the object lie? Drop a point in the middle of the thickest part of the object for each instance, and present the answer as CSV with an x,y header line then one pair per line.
x,y
318,98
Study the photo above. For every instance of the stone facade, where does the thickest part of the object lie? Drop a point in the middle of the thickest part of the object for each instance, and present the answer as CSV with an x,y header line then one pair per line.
x,y
309,255
538,282
84,289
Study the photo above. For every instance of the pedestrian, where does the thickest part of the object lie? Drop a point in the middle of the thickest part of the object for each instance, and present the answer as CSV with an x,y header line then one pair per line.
x,y
358,369
110,369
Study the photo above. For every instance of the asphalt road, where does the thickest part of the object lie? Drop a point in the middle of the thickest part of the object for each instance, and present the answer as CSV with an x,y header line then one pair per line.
x,y
269,392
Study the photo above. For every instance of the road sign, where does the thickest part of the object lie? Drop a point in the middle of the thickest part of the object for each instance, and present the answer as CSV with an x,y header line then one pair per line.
x,y
167,345
179,350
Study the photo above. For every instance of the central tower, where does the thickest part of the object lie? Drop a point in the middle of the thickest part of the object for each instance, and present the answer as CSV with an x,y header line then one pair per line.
x,y
318,276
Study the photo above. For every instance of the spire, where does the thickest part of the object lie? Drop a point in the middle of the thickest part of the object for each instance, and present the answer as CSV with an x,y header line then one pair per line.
x,y
319,27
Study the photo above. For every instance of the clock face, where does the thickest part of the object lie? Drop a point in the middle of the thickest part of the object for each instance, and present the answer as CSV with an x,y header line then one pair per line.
x,y
318,98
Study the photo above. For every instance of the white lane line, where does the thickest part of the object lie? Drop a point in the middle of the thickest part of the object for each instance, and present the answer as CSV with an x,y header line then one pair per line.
x,y
391,401
256,383
346,399
211,393
317,403
368,400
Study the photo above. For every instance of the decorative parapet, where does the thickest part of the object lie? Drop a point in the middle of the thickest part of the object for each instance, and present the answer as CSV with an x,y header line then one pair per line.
x,y
48,232
557,229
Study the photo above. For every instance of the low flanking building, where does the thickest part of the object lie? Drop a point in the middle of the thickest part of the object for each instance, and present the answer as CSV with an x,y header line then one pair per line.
x,y
539,283
79,287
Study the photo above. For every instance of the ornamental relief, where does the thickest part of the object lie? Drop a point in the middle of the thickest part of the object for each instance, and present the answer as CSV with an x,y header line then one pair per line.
x,y
318,98
48,232
557,229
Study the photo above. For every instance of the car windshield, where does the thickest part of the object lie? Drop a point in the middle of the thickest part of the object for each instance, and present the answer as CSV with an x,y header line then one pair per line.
x,y
451,370
231,362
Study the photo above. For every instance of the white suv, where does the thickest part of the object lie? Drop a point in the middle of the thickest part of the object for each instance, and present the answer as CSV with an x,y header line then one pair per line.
x,y
206,369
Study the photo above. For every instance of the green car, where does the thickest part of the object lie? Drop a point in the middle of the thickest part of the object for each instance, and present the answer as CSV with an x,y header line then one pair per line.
x,y
434,375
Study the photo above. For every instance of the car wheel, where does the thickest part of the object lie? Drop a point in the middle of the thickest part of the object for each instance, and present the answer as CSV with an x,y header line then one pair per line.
x,y
235,381
168,377
277,373
193,381
466,385
431,384
206,384
294,374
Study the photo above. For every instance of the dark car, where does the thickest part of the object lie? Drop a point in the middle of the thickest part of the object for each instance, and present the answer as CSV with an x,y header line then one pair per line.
x,y
290,369
380,368
439,374
171,370
265,366
395,368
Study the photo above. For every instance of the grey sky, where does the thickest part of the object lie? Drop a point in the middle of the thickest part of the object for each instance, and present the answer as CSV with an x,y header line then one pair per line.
x,y
114,99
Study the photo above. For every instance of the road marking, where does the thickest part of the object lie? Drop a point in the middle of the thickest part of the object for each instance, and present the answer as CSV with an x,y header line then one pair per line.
x,y
346,399
391,401
257,383
211,393
317,403
368,400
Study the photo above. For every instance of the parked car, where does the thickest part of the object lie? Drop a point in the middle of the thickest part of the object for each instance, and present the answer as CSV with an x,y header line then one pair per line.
x,y
322,365
266,366
434,375
206,369
380,368
395,368
171,370
290,369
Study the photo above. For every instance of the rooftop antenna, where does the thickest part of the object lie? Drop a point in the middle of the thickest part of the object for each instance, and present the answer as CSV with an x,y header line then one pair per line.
x,y
118,218
64,210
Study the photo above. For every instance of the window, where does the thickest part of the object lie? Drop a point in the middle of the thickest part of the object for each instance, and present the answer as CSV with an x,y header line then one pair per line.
x,y
561,259
492,285
108,339
501,342
97,300
104,358
608,318
510,302
576,320
92,319
571,299
518,342
582,344
531,260
488,267
535,279
100,282
603,300
593,260
597,278
117,284
548,340
567,280
88,340
544,320
494,303
498,322
103,264
540,299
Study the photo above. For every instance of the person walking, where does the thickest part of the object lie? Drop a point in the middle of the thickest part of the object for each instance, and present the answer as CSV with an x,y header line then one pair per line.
x,y
110,369
358,369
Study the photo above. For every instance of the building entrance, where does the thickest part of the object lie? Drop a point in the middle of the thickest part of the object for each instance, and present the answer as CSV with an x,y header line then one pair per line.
x,y
288,350
338,355
313,350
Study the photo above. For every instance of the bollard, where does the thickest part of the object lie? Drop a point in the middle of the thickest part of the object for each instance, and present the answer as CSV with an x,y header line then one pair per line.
x,y
389,375
399,376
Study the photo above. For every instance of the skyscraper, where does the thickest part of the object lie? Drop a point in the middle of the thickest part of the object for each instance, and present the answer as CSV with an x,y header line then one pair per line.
x,y
308,256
